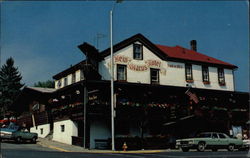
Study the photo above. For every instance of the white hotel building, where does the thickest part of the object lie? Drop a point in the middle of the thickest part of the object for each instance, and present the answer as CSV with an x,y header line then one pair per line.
x,y
151,83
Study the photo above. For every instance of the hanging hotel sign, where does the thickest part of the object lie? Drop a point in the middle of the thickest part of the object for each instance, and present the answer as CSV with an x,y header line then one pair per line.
x,y
139,67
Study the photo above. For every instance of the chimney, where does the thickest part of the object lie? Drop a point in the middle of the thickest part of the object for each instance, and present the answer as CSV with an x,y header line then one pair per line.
x,y
193,45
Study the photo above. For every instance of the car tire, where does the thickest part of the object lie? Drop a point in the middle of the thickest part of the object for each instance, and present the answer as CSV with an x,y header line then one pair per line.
x,y
214,149
230,147
201,146
33,140
18,139
185,149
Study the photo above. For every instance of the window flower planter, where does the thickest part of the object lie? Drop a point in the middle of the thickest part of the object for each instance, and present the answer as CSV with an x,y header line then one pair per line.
x,y
190,81
222,83
206,82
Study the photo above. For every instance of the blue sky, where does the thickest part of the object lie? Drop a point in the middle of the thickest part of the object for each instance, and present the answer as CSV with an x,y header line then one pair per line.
x,y
42,37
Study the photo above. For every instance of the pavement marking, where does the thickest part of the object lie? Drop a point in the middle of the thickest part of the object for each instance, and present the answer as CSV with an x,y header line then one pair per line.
x,y
53,147
198,156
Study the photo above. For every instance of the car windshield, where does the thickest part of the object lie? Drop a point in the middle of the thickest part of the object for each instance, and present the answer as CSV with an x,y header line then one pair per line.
x,y
204,135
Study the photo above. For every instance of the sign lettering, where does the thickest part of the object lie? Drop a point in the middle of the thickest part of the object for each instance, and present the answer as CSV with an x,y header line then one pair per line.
x,y
135,67
138,67
175,66
154,63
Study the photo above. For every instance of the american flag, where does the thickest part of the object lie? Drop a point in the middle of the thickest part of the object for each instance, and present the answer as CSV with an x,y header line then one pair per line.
x,y
192,96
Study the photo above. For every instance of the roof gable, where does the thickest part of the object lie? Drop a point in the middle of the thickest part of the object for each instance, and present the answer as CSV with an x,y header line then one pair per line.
x,y
138,37
176,53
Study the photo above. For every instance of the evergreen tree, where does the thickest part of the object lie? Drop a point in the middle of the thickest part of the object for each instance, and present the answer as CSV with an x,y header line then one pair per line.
x,y
46,84
10,85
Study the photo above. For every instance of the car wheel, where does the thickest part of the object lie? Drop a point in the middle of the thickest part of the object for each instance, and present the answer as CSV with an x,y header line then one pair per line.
x,y
214,149
18,139
185,149
33,140
231,147
201,146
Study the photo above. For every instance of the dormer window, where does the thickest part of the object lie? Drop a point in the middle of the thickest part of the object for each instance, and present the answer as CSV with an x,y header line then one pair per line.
x,y
138,52
189,73
205,75
221,77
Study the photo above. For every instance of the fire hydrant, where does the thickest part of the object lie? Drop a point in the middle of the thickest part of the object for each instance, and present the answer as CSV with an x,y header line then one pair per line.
x,y
124,146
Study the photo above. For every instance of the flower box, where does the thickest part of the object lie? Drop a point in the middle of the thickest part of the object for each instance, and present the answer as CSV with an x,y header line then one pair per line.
x,y
222,83
190,81
206,82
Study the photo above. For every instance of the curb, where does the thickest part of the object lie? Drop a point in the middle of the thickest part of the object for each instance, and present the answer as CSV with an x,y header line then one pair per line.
x,y
103,151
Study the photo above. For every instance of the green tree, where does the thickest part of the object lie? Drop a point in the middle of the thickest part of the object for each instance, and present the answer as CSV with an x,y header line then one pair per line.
x,y
46,84
10,85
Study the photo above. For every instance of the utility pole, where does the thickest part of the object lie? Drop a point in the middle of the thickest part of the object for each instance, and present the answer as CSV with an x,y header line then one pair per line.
x,y
112,77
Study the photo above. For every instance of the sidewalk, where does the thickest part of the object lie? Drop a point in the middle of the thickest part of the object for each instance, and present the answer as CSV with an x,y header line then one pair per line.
x,y
72,148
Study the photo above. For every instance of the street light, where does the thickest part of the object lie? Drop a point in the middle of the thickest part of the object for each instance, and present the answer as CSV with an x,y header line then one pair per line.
x,y
112,76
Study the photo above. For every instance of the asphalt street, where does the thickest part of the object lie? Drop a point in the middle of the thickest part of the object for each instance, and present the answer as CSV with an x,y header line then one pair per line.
x,y
12,150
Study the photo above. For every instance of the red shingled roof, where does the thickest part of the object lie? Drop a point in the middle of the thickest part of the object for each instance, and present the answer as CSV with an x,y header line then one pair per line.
x,y
178,52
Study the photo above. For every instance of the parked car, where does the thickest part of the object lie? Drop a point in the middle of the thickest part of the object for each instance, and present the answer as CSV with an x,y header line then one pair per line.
x,y
246,145
209,140
18,134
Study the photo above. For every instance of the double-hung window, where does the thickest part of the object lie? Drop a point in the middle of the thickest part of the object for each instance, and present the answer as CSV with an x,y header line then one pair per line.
x,y
138,52
221,77
205,74
121,72
154,73
81,74
59,84
65,81
74,77
188,71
